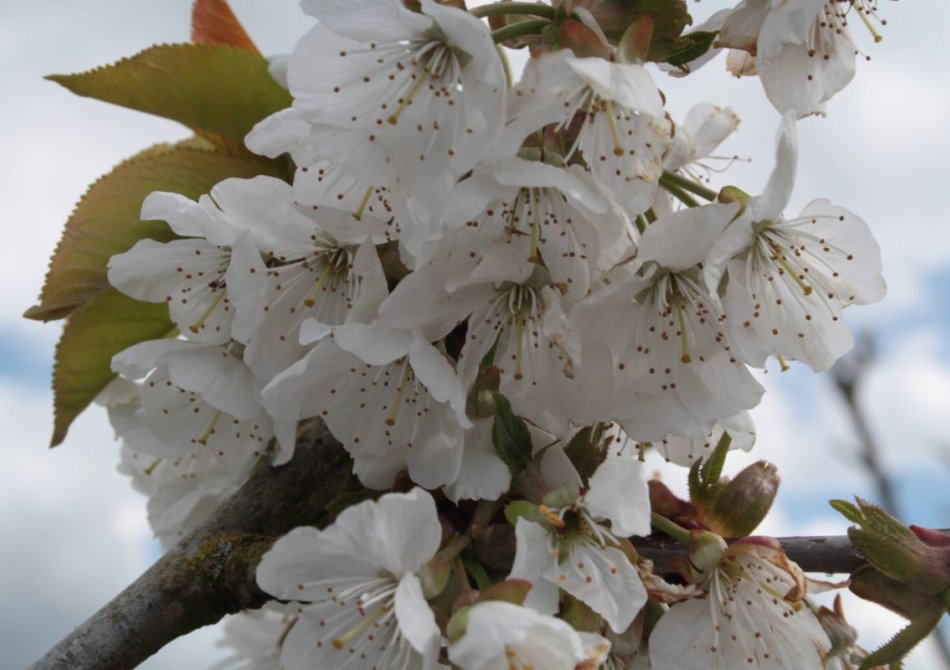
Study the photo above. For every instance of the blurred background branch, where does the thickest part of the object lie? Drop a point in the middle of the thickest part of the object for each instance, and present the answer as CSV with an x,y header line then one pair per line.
x,y
848,374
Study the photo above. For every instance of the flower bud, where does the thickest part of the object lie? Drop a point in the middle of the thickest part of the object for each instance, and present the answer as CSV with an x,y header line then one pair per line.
x,y
895,550
512,591
706,550
495,547
739,506
733,194
434,576
669,19
870,584
480,403
666,503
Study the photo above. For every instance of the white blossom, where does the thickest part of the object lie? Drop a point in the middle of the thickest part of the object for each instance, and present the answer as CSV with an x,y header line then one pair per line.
x,y
789,279
390,397
578,552
624,135
501,635
803,50
365,606
751,616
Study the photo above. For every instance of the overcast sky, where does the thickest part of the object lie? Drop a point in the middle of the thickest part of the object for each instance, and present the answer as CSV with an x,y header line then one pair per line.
x,y
73,531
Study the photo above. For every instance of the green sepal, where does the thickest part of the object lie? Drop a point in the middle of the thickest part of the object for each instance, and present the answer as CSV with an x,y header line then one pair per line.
x,y
523,509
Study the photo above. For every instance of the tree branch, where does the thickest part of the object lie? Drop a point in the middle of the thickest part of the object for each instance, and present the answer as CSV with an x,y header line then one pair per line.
x,y
211,572
829,553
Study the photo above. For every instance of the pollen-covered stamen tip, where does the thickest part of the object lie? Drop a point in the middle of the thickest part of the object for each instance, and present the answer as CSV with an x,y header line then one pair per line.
x,y
551,516
867,10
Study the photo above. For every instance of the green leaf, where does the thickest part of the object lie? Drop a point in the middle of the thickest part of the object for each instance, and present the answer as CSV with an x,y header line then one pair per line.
x,y
584,454
217,90
91,337
848,510
510,436
688,48
106,220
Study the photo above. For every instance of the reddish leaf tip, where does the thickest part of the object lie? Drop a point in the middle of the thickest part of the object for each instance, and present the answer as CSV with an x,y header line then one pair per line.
x,y
214,22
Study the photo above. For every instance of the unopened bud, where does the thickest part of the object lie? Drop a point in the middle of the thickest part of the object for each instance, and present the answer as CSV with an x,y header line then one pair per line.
x,y
669,19
931,537
480,403
870,584
434,576
512,591
579,615
457,625
584,42
563,496
730,194
895,550
666,503
739,507
495,547
706,550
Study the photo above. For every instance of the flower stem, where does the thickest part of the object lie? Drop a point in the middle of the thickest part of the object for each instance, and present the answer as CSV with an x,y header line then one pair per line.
x,y
454,547
674,530
688,185
678,193
520,29
501,9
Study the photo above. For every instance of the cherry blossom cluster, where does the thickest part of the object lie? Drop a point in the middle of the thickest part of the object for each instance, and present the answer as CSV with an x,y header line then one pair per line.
x,y
459,255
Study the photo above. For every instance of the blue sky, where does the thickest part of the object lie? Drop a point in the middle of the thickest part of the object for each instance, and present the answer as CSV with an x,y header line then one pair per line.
x,y
74,531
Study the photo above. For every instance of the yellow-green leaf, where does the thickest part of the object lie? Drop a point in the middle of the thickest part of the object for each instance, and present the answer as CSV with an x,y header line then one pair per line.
x,y
106,220
217,90
93,334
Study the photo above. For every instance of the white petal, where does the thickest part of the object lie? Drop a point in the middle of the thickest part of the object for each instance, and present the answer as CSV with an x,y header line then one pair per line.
x,y
532,557
602,578
618,492
416,620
